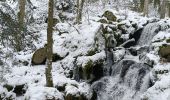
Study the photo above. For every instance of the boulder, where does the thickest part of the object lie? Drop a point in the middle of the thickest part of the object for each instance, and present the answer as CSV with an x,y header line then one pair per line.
x,y
109,15
39,57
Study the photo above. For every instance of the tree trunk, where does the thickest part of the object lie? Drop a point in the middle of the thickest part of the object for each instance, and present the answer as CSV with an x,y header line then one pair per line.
x,y
21,16
146,5
78,11
80,4
156,3
163,9
49,48
141,5
169,9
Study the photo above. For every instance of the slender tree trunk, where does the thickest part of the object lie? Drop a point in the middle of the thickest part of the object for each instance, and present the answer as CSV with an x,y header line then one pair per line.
x,y
169,9
141,5
163,9
146,5
49,48
78,11
80,4
21,17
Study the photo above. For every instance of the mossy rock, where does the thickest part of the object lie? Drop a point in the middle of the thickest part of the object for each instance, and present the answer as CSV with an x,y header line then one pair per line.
x,y
109,15
164,51
103,21
91,52
87,69
92,71
168,40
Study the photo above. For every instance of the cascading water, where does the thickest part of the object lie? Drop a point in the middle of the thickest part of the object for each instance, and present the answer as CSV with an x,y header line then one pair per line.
x,y
126,79
149,31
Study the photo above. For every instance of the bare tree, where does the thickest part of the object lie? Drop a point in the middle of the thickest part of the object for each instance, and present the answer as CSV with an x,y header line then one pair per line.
x,y
49,47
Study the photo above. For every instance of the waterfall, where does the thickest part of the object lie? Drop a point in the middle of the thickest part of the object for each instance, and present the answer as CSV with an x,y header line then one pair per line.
x,y
128,81
149,31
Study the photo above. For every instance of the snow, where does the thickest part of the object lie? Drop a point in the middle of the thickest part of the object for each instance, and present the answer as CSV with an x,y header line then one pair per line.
x,y
74,42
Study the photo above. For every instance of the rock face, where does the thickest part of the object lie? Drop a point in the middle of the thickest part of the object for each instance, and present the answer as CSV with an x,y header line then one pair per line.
x,y
109,15
164,52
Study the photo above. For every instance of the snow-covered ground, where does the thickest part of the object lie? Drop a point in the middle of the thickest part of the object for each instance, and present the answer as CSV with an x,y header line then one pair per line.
x,y
81,45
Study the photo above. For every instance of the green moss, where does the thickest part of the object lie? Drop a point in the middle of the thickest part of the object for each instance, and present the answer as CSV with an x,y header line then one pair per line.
x,y
164,51
92,52
87,70
168,40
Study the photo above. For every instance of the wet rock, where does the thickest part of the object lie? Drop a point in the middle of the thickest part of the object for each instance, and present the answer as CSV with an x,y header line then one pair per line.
x,y
109,15
138,50
136,35
128,43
